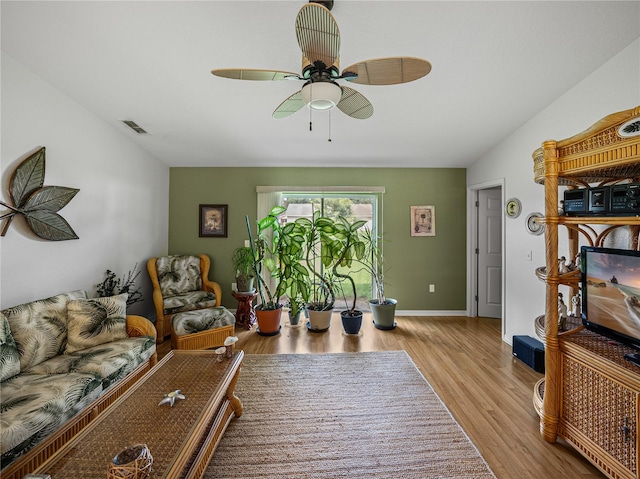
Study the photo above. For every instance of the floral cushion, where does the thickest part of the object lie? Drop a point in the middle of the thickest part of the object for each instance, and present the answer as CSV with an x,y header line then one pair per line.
x,y
188,301
179,274
35,406
201,320
9,357
110,362
39,329
96,321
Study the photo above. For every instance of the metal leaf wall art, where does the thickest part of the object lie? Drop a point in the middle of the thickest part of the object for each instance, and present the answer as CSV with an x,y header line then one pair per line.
x,y
39,204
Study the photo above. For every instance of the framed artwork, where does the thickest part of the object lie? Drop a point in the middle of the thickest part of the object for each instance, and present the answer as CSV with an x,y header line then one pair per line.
x,y
423,221
213,221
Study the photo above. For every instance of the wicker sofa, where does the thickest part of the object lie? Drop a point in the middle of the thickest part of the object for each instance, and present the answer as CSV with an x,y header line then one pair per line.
x,y
59,357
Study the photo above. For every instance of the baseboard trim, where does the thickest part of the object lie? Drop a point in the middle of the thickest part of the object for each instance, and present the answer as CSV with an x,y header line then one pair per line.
x,y
408,312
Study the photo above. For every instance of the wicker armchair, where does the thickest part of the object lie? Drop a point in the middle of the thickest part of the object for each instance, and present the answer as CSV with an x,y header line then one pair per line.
x,y
180,283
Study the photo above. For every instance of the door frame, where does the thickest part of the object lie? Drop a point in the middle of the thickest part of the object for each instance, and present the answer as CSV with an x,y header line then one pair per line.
x,y
472,244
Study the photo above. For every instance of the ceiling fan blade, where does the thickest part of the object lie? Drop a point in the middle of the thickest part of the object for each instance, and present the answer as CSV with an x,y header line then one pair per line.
x,y
354,104
318,34
289,106
388,71
254,74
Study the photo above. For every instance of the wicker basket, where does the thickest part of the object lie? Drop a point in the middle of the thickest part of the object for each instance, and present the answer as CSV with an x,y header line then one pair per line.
x,y
131,463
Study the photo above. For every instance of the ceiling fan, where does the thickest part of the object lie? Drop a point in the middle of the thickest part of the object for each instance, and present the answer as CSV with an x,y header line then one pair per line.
x,y
319,39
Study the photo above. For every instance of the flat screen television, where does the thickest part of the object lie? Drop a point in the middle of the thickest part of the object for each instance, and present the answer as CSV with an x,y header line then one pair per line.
x,y
611,293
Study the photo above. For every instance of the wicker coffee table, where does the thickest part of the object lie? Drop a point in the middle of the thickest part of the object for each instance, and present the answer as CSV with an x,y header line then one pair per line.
x,y
182,438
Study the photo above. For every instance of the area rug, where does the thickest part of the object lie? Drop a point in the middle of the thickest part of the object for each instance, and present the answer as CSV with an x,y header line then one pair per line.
x,y
342,415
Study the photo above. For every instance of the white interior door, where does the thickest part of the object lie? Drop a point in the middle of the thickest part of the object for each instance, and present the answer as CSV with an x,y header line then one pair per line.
x,y
489,253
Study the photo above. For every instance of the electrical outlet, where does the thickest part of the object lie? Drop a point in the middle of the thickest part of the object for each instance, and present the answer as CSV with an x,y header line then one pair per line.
x,y
247,244
432,288
234,287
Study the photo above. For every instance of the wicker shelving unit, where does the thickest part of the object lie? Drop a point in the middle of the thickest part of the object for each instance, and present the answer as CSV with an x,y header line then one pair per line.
x,y
590,396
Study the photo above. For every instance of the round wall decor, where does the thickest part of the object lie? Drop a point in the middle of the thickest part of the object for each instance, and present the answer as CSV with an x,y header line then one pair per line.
x,y
533,226
630,128
513,208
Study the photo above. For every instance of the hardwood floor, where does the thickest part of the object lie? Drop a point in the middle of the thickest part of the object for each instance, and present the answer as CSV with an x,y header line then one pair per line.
x,y
472,370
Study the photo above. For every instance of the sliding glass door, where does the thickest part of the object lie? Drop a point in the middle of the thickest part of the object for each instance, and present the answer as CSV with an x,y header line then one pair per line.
x,y
352,206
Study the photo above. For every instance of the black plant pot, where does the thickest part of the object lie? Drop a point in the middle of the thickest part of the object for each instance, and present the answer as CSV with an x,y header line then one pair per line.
x,y
351,323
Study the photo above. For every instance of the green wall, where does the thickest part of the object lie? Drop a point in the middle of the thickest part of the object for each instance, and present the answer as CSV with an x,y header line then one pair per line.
x,y
411,263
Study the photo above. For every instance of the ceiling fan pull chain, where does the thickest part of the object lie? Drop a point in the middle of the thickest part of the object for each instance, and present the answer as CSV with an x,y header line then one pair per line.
x,y
329,139
310,119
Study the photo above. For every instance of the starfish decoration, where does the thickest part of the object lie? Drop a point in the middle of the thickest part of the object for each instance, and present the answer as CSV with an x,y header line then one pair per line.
x,y
171,397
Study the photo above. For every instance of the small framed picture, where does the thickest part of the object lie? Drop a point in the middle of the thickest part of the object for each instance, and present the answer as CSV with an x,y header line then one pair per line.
x,y
423,221
213,221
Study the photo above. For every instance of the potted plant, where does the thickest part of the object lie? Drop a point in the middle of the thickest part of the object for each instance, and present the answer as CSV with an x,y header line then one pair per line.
x,y
293,274
242,259
296,308
382,308
112,286
277,251
319,256
348,248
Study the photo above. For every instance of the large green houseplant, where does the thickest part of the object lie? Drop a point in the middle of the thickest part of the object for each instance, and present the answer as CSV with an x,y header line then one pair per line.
x,y
319,255
382,307
330,247
349,249
277,251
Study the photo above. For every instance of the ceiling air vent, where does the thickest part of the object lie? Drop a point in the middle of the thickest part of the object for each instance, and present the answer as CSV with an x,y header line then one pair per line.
x,y
134,126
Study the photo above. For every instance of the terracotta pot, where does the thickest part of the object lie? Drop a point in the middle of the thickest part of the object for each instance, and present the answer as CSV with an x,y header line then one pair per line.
x,y
268,320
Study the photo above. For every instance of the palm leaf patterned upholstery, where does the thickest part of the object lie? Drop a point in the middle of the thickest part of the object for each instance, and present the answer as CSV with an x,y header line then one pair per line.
x,y
96,321
180,280
57,355
35,406
179,274
9,357
189,301
192,322
181,283
109,362
39,329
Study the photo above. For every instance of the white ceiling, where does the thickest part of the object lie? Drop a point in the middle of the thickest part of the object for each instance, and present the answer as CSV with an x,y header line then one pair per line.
x,y
495,65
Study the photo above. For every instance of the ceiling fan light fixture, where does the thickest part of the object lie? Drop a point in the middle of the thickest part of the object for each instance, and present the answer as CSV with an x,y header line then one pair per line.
x,y
321,95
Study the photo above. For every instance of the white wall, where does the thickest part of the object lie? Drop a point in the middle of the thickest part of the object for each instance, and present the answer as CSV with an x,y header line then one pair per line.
x,y
613,87
120,213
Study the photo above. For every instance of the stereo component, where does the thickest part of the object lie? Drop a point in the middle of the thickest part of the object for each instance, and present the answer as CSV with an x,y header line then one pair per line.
x,y
614,200
575,201
598,200
625,198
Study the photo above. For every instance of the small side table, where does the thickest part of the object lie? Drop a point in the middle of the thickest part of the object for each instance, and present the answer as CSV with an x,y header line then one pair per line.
x,y
245,316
